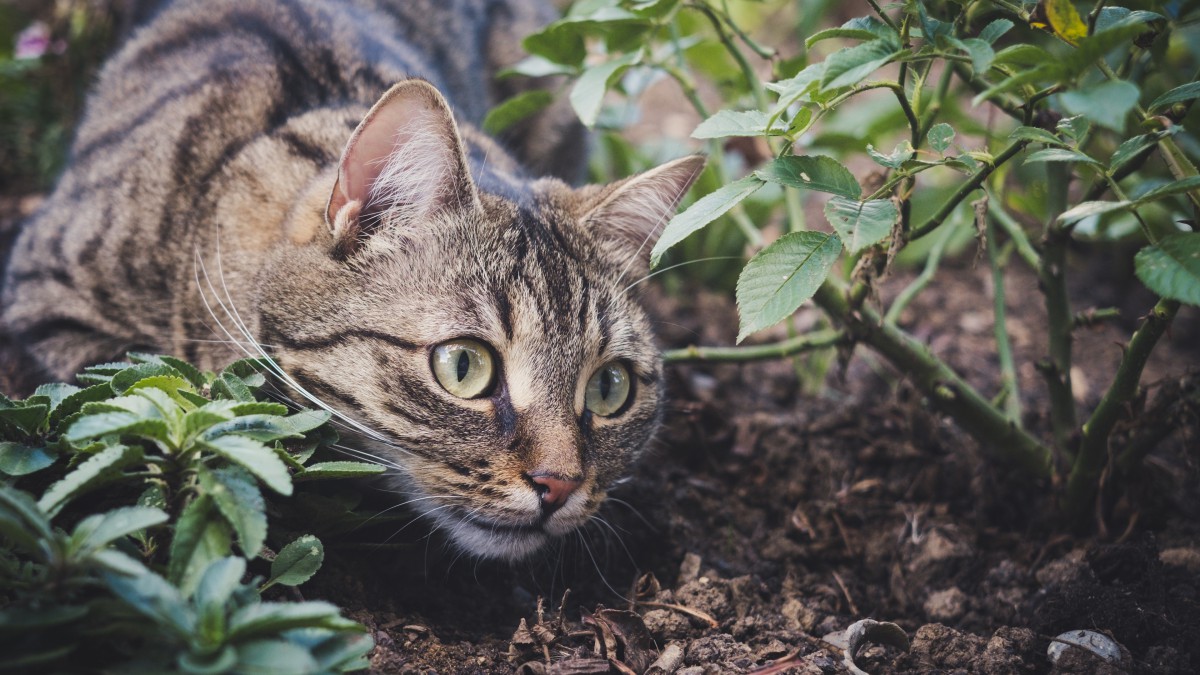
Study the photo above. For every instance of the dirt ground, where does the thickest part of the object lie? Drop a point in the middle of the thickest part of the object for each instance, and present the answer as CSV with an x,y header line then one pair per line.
x,y
765,522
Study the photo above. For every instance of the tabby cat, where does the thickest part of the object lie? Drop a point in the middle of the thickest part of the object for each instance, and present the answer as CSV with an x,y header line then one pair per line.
x,y
305,179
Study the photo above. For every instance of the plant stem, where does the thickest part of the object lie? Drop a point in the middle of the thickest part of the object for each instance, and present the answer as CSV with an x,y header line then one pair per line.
x,y
886,19
979,86
1016,234
931,265
964,190
1093,451
948,392
1052,276
775,350
1008,369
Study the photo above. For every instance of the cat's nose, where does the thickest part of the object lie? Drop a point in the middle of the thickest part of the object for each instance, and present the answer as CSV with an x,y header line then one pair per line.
x,y
553,489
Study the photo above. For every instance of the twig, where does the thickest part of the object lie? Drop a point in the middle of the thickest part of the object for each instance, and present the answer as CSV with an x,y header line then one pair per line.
x,y
846,593
1052,274
695,613
1016,234
774,350
965,189
1093,316
1008,369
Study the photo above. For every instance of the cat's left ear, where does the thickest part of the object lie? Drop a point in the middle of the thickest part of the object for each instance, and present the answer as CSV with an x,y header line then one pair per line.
x,y
404,162
635,211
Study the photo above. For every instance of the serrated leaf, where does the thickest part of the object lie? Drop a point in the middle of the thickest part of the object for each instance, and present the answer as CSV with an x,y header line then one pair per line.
x,y
1065,20
1112,18
130,376
268,428
706,209
515,109
204,417
230,386
981,53
17,459
1035,135
862,28
123,423
75,402
811,172
342,469
1024,55
114,561
297,562
99,530
93,471
1051,70
23,522
275,617
57,392
201,537
791,89
1179,94
239,500
1171,268
217,584
255,457
256,408
940,136
1173,188
342,652
25,416
150,595
1073,128
190,372
783,276
1106,103
994,30
849,66
588,93
728,123
1127,150
1059,155
861,224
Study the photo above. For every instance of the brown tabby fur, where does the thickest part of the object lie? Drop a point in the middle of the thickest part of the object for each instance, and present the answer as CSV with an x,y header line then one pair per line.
x,y
215,203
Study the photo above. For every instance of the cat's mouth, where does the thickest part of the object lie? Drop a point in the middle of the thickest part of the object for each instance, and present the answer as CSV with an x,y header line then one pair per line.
x,y
490,538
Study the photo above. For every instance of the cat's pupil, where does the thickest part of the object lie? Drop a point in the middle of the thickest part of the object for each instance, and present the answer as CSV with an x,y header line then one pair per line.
x,y
605,383
464,365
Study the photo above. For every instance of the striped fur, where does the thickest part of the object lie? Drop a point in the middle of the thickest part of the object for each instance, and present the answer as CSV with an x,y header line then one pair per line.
x,y
208,211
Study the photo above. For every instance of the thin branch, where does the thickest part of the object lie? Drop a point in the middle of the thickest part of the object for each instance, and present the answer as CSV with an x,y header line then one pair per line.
x,y
932,260
776,350
1016,234
964,190
1008,369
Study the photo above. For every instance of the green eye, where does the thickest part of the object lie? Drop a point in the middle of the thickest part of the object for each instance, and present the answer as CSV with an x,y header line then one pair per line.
x,y
464,368
608,389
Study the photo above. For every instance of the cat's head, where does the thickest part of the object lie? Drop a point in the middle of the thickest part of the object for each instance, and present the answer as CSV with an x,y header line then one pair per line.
x,y
489,343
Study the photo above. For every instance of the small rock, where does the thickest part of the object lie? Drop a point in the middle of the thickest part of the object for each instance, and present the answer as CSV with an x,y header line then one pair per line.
x,y
946,605
665,624
689,569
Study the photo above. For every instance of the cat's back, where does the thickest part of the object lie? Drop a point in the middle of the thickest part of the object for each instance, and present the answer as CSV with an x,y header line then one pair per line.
x,y
211,117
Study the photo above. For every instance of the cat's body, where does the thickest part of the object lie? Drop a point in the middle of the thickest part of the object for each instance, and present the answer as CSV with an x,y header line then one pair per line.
x,y
237,179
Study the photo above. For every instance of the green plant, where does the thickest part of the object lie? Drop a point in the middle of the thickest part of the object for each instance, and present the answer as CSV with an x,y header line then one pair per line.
x,y
1089,98
147,478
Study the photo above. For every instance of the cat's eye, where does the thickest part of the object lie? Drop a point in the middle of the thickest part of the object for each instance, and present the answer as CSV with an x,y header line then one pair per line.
x,y
464,368
608,389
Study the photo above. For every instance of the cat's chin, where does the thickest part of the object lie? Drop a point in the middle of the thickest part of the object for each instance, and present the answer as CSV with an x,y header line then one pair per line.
x,y
496,542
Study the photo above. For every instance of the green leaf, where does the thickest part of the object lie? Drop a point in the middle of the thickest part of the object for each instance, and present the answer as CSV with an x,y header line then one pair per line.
x,y
255,457
239,500
862,28
1035,135
1128,149
1106,103
99,530
1173,188
26,416
849,66
190,372
21,460
56,392
1074,128
1171,268
940,136
782,276
706,209
1088,209
130,376
124,423
341,469
275,617
736,123
75,402
256,408
861,224
515,109
93,471
802,82
230,386
1051,70
1179,94
217,584
994,30
588,93
981,53
1023,55
1059,155
297,562
201,537
274,657
151,595
23,522
811,172
204,417
343,652
536,66
901,154
1111,18
268,428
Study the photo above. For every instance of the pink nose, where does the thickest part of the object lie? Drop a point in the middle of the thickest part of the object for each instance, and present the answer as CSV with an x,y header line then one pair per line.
x,y
553,489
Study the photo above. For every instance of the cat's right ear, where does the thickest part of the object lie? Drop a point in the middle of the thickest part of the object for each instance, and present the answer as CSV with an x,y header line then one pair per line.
x,y
404,162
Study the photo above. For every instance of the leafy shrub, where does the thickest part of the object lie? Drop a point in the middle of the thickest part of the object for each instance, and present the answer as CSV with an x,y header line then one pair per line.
x,y
145,480
1084,101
